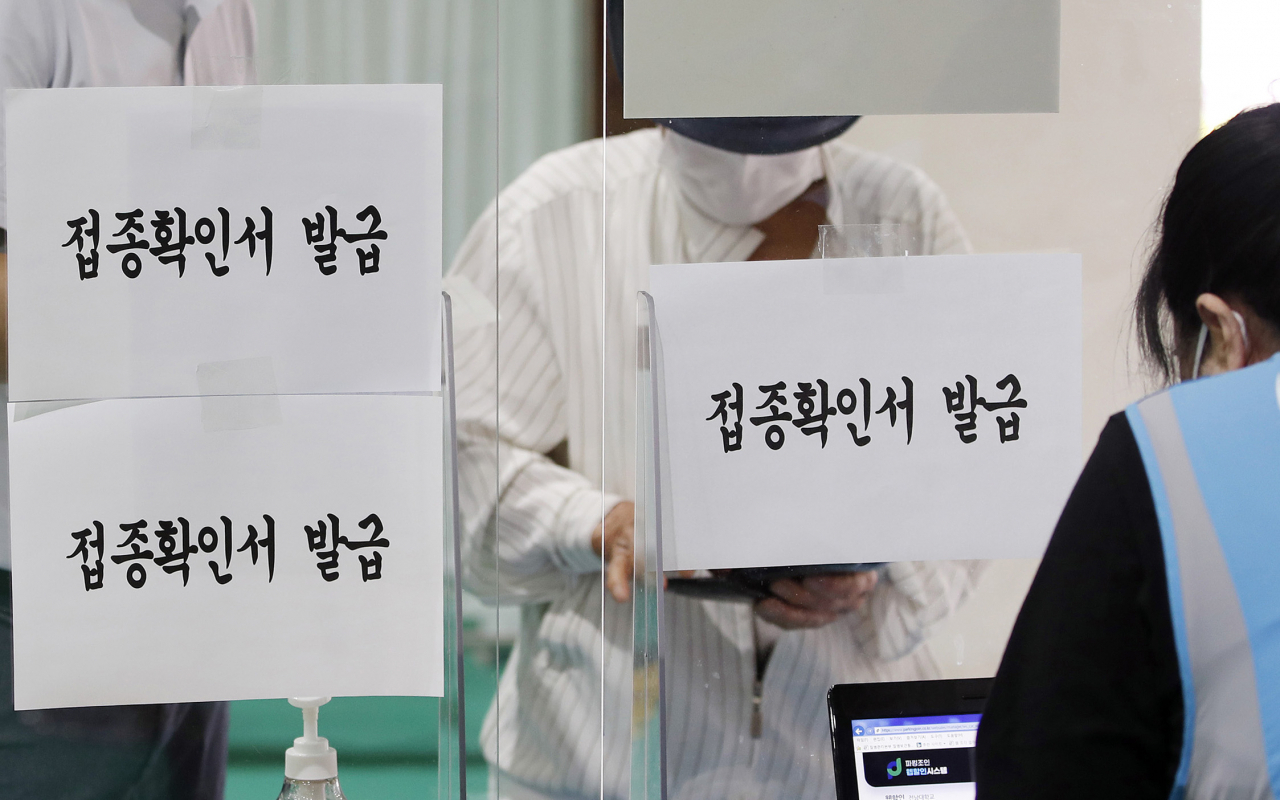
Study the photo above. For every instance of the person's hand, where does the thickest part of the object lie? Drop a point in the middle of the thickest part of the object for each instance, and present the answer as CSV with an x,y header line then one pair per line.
x,y
614,541
815,600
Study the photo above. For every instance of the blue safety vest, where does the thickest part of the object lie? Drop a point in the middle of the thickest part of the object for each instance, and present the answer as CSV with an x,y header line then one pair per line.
x,y
1211,449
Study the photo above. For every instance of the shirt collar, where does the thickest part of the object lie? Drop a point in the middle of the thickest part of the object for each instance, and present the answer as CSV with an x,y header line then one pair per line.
x,y
705,240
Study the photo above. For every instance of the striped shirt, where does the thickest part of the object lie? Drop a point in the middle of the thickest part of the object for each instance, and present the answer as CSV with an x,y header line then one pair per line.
x,y
563,251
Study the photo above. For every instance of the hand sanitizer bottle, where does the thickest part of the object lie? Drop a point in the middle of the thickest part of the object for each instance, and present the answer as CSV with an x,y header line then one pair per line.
x,y
311,765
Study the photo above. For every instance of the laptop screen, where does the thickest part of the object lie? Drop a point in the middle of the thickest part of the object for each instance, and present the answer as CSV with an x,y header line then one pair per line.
x,y
915,758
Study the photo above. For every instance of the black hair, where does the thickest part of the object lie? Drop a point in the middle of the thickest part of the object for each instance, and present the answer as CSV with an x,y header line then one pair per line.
x,y
1219,232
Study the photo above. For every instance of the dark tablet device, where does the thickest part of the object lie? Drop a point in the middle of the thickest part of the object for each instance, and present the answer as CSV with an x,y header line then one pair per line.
x,y
908,740
750,585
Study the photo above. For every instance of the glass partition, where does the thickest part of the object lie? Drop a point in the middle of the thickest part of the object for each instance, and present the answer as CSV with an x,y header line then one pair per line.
x,y
409,747
586,147
648,767
590,668
515,87
724,701
452,758
529,503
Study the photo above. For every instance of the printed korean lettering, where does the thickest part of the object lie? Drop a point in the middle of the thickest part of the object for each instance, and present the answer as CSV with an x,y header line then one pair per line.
x,y
893,405
171,238
323,541
323,234
369,258
1008,426
774,435
325,244
329,536
176,540
206,230
173,555
253,233
174,232
371,566
137,573
208,540
813,411
90,538
811,405
130,262
847,403
81,228
730,436
967,418
266,541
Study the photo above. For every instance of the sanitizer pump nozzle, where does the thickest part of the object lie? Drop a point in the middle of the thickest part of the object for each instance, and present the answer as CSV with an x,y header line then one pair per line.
x,y
311,765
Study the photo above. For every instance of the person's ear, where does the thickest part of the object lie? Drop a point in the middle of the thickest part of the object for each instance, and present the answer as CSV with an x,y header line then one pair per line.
x,y
1228,345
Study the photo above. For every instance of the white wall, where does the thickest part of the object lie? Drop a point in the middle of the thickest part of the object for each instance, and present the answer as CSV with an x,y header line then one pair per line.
x,y
1240,62
1088,180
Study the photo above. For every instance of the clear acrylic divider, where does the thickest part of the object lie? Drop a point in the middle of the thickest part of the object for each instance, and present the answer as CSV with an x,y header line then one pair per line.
x,y
648,729
668,750
452,762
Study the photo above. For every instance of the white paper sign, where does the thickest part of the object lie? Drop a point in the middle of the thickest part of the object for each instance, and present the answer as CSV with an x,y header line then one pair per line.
x,y
890,409
155,230
763,58
157,560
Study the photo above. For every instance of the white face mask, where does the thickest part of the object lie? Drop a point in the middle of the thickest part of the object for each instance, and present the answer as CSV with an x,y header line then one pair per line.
x,y
738,189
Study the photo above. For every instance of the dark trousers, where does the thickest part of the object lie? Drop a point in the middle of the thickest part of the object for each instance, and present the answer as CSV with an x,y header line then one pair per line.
x,y
156,752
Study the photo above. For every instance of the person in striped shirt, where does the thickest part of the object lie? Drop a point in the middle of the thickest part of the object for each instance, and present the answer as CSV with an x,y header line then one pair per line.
x,y
546,421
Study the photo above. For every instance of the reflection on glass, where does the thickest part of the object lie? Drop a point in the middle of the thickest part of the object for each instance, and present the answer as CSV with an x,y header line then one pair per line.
x,y
868,241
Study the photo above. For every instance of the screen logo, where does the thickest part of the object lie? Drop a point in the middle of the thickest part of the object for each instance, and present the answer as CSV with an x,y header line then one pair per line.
x,y
917,766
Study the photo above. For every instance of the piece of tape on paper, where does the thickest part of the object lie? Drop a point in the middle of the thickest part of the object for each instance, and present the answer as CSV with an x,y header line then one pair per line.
x,y
238,395
865,276
226,118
